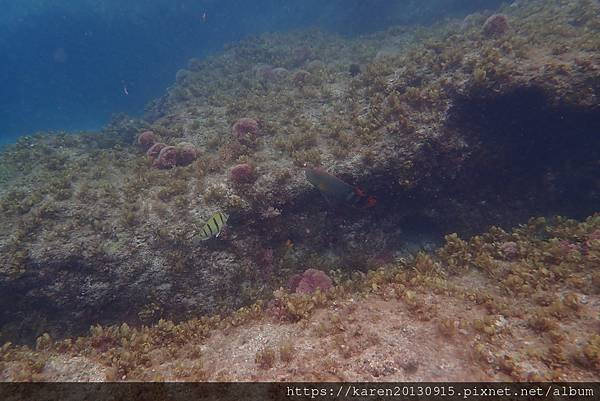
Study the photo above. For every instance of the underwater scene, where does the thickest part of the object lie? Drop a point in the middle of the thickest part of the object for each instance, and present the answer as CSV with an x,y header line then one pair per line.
x,y
300,190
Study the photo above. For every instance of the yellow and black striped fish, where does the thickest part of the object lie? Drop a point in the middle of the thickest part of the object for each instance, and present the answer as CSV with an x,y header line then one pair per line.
x,y
213,227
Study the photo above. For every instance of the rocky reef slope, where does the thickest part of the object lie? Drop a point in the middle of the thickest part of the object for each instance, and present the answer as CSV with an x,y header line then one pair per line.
x,y
502,306
453,128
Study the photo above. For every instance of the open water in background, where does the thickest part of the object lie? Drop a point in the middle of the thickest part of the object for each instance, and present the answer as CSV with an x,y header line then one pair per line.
x,y
69,65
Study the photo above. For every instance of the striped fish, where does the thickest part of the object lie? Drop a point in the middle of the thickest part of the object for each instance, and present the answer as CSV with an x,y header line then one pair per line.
x,y
213,227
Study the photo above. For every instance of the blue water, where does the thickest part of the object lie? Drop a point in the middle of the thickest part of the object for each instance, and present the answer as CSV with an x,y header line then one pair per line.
x,y
69,65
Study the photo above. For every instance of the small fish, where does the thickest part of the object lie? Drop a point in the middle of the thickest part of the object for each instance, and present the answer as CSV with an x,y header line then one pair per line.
x,y
336,191
203,17
125,91
213,227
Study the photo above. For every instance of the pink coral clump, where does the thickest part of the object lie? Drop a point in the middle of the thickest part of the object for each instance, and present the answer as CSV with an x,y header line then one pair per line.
x,y
301,78
293,281
568,247
154,150
510,249
496,25
146,139
594,236
267,73
264,72
164,156
267,257
264,260
186,154
592,241
301,54
167,158
277,310
280,73
310,281
242,174
245,130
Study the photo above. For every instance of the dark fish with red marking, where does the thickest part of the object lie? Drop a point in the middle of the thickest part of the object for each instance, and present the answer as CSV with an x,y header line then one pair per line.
x,y
336,191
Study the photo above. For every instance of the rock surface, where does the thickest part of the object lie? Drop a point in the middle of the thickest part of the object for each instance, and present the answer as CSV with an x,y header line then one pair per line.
x,y
452,130
476,311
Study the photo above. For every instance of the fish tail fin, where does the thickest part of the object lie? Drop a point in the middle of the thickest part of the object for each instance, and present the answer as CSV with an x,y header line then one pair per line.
x,y
363,200
371,201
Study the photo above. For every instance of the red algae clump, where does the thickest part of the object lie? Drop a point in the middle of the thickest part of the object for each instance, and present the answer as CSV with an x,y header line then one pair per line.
x,y
154,150
146,140
242,174
496,25
167,158
245,130
309,281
